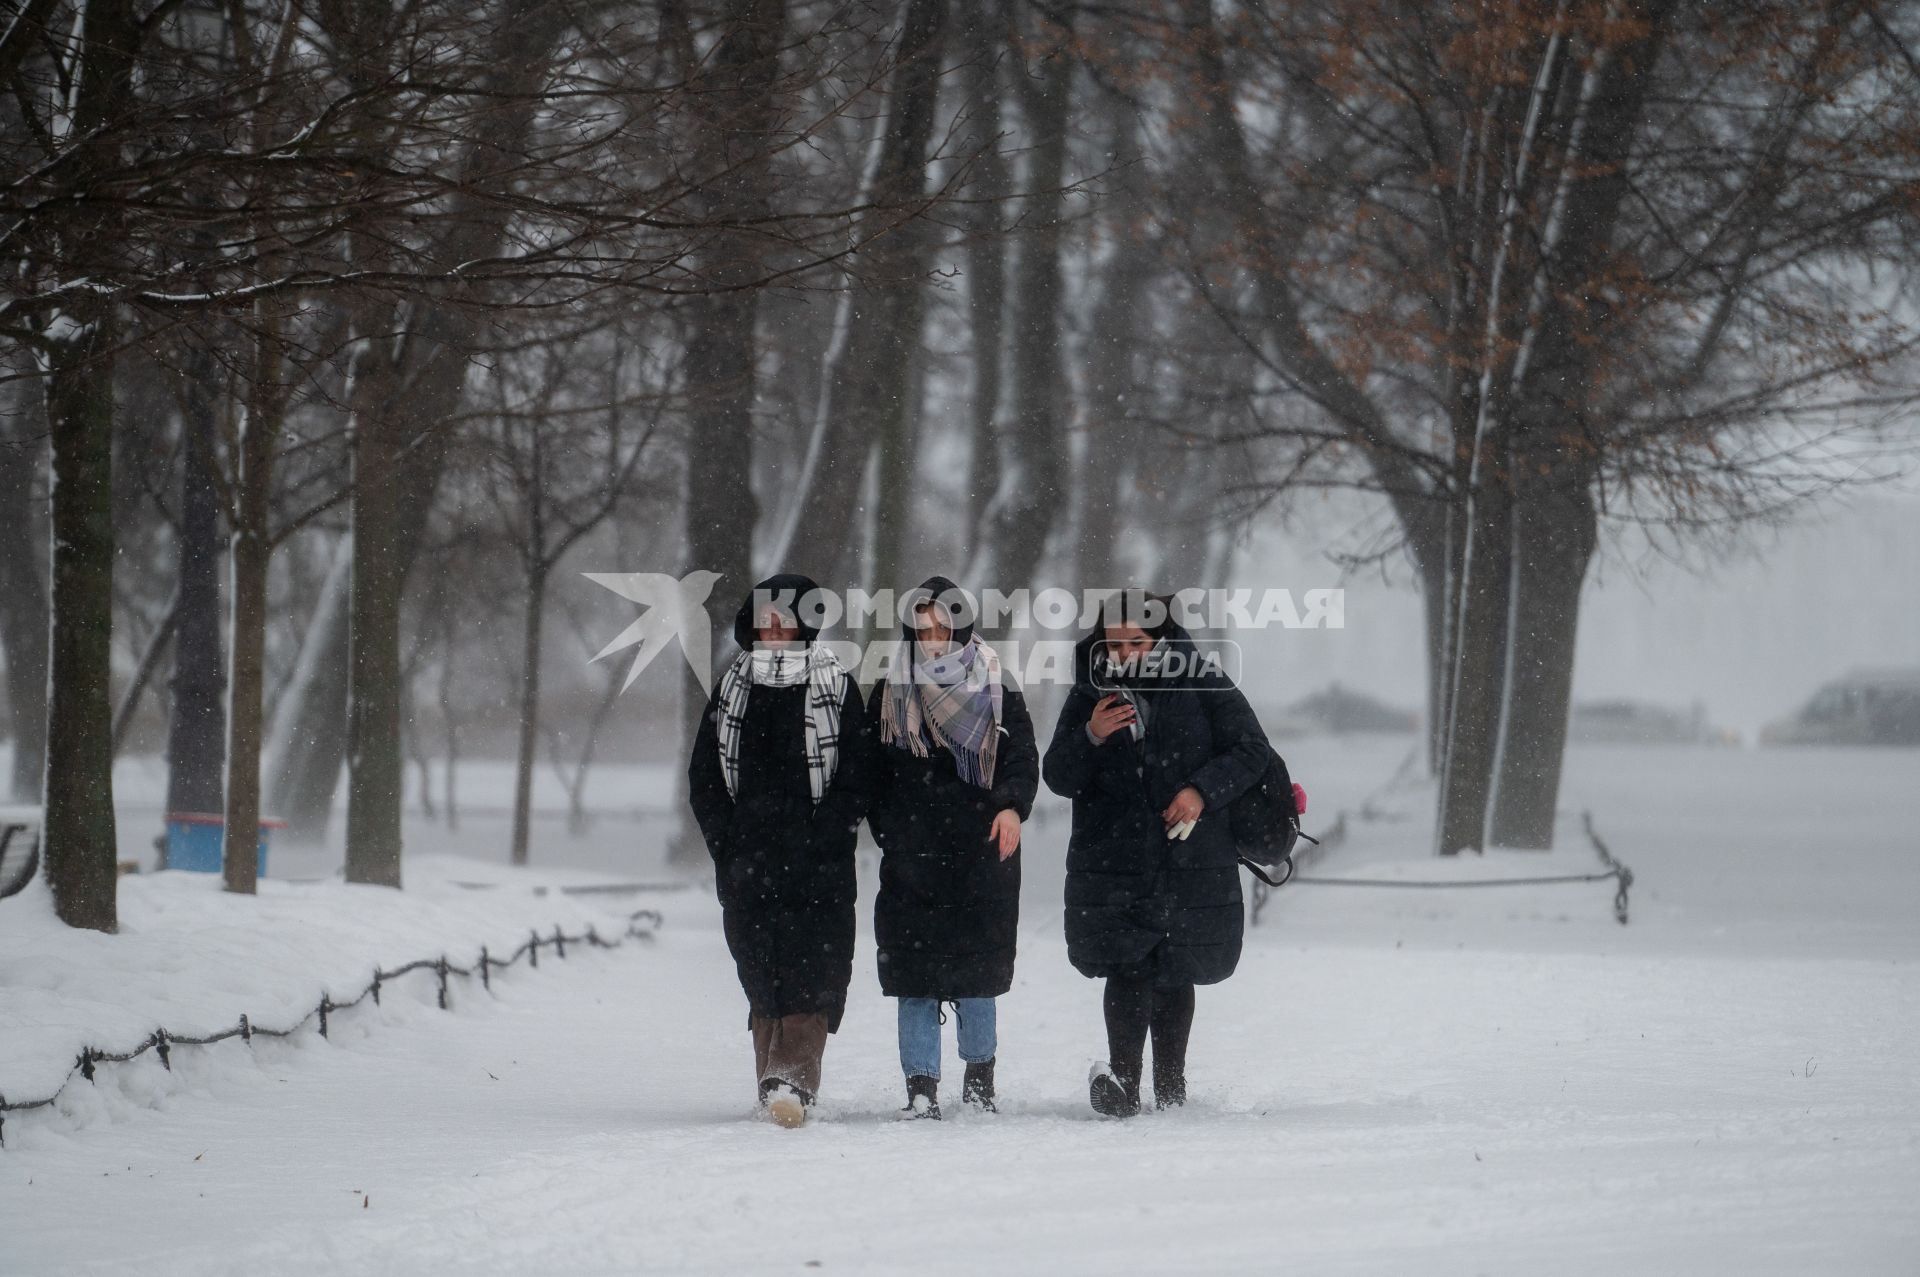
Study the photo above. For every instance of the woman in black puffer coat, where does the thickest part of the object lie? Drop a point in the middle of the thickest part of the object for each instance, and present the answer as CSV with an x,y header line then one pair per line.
x,y
778,783
955,774
1141,750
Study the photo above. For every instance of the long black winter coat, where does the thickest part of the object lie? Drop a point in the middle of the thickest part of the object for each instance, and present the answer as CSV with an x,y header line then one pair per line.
x,y
1134,898
948,912
783,865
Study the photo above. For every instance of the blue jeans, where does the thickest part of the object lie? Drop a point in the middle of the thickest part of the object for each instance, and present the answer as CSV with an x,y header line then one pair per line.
x,y
920,1033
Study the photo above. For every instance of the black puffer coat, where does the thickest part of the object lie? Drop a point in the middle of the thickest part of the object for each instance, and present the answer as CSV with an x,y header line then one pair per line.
x,y
784,866
1133,897
948,913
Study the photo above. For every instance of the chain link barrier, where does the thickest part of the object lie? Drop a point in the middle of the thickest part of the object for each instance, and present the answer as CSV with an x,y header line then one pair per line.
x,y
1615,872
642,924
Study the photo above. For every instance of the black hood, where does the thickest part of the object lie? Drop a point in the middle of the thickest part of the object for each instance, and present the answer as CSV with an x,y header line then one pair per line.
x,y
956,600
787,589
1172,633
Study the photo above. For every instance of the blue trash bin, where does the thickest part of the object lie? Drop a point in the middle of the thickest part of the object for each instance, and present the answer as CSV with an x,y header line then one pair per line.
x,y
195,841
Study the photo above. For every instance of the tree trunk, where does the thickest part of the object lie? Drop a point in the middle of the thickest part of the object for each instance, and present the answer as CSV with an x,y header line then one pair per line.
x,y
449,794
1479,656
422,768
867,381
400,441
196,748
896,433
1436,597
159,643
1555,522
309,741
251,551
1112,435
1034,464
1428,524
250,556
78,837
309,736
984,28
537,565
375,760
722,512
529,713
577,821
1555,532
986,311
23,604
402,413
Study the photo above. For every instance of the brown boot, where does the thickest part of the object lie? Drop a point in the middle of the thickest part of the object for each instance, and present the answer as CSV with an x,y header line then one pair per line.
x,y
786,1103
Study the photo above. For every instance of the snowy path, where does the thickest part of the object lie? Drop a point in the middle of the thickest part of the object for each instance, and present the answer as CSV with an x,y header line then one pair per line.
x,y
1466,1082
1575,1113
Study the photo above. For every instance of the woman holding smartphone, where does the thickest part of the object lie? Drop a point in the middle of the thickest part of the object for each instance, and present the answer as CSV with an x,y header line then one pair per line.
x,y
1152,746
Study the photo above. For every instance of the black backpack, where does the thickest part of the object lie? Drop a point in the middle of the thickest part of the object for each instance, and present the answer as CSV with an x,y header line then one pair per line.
x,y
1266,823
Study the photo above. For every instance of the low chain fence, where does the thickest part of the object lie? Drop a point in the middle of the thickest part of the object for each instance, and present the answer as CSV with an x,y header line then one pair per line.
x,y
1612,871
642,924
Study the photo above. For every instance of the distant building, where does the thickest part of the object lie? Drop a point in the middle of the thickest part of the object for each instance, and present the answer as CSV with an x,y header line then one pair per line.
x,y
1338,710
1627,722
1863,707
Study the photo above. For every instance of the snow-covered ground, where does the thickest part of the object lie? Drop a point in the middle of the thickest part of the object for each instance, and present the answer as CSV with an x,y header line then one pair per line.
x,y
1499,1080
190,959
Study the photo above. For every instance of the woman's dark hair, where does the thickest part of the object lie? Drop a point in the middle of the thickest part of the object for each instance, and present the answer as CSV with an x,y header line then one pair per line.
x,y
1153,613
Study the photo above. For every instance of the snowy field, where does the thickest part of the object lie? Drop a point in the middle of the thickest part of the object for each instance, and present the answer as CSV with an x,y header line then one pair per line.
x,y
1477,1081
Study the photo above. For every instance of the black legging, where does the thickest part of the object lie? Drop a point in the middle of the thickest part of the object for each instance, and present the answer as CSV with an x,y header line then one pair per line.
x,y
1136,1007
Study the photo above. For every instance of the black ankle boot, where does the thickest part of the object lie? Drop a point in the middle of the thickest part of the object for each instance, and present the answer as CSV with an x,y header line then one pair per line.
x,y
1111,1094
923,1097
977,1088
1169,1087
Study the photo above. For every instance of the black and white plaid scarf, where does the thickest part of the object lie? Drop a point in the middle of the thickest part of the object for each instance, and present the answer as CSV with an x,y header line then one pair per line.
x,y
784,667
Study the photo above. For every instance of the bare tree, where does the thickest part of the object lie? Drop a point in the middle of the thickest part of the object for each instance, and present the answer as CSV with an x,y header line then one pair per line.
x,y
984,33
864,402
1032,485
1503,261
737,110
556,478
433,172
76,339
23,590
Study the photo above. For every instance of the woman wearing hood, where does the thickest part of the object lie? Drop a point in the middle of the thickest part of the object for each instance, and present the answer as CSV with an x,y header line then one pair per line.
x,y
955,775
778,783
1152,753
